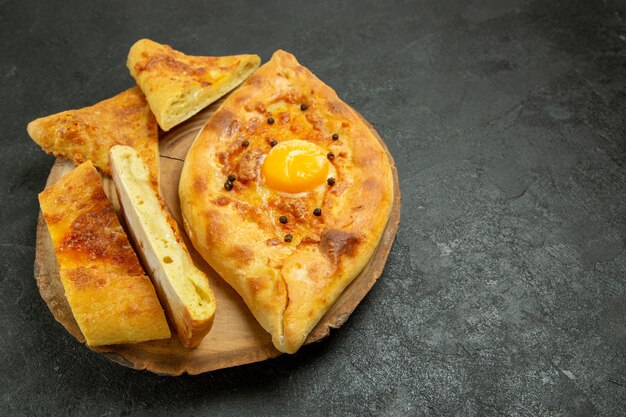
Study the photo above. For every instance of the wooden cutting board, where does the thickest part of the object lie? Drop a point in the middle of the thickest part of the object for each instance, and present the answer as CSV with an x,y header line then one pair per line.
x,y
236,338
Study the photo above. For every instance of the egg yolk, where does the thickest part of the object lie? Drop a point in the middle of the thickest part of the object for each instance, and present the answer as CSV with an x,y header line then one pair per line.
x,y
295,166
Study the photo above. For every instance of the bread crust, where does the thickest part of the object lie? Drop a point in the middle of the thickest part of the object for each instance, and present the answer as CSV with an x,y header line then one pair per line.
x,y
111,298
88,133
287,286
178,86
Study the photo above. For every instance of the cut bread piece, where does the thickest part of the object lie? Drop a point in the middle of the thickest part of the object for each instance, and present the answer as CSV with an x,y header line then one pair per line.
x,y
88,133
183,289
178,86
111,298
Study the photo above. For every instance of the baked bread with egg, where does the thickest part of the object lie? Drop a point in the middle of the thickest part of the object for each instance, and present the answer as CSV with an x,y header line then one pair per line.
x,y
183,289
111,298
286,192
177,85
89,133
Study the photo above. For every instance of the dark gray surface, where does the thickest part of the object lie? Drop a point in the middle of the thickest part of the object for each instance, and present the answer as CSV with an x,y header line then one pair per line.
x,y
505,291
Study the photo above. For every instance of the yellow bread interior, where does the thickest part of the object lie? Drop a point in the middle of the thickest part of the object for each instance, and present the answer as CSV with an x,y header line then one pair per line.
x,y
182,287
183,105
177,85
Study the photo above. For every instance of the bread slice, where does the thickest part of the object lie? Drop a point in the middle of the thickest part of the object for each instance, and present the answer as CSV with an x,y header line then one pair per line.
x,y
112,300
178,86
89,133
183,288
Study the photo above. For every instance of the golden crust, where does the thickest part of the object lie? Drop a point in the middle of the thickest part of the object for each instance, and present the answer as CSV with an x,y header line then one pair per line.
x,y
178,86
111,298
89,133
287,286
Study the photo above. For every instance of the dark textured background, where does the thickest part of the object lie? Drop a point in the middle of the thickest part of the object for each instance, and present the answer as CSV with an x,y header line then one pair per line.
x,y
505,292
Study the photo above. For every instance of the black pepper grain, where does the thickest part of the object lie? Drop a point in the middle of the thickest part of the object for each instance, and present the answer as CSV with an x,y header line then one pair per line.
x,y
330,156
232,177
288,237
331,181
270,120
245,143
283,219
303,106
228,185
317,212
335,136
273,143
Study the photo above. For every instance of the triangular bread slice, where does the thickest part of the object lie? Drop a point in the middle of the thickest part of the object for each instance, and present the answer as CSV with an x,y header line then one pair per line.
x,y
111,298
89,133
183,289
178,86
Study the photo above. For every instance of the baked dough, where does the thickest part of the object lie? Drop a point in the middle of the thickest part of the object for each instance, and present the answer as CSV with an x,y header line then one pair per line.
x,y
237,225
111,298
183,288
89,133
177,85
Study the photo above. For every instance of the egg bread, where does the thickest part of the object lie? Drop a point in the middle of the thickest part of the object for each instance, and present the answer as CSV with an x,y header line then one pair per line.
x,y
177,85
183,289
89,133
286,193
111,298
